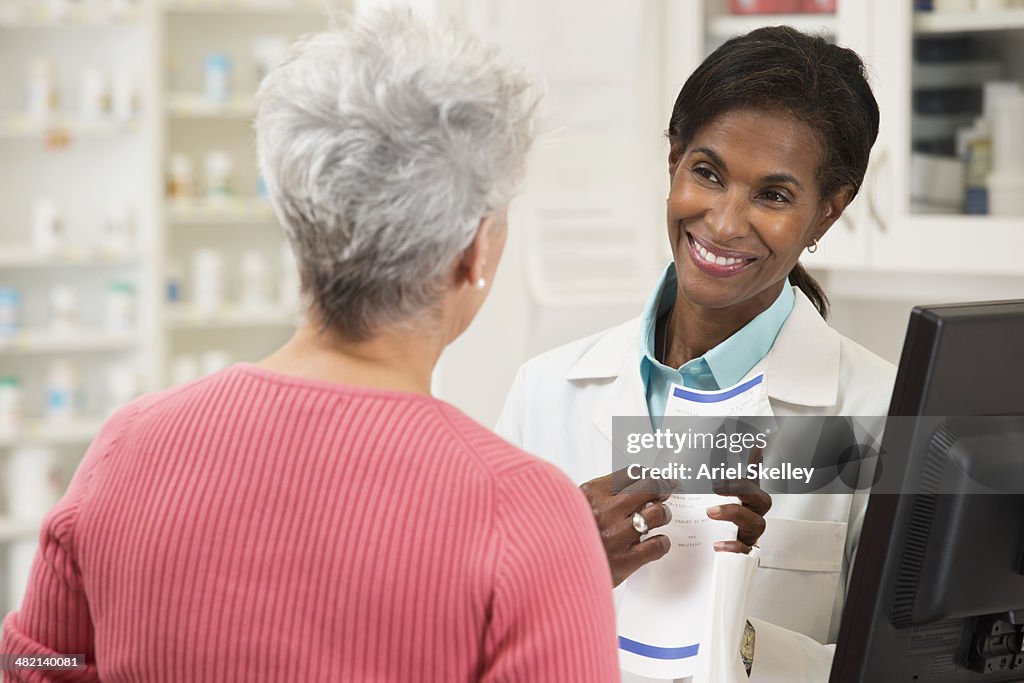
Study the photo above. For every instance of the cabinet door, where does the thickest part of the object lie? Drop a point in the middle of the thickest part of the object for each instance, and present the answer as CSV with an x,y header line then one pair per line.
x,y
847,243
902,241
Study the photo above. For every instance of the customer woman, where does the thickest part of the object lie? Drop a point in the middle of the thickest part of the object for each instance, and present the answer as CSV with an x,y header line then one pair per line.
x,y
769,142
318,516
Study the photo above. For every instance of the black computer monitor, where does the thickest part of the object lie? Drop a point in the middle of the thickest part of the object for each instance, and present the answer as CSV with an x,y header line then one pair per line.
x,y
937,588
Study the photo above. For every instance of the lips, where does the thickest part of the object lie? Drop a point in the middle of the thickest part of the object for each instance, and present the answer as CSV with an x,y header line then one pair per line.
x,y
718,262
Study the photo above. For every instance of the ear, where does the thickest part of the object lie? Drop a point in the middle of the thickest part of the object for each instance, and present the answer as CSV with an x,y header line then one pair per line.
x,y
475,257
832,208
675,154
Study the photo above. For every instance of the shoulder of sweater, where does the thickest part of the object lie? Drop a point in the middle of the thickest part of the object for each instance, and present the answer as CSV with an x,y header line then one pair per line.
x,y
502,459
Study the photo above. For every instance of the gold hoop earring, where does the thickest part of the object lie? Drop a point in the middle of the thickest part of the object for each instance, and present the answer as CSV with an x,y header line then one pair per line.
x,y
813,248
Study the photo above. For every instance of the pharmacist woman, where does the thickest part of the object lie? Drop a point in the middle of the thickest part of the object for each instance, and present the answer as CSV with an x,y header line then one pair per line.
x,y
769,142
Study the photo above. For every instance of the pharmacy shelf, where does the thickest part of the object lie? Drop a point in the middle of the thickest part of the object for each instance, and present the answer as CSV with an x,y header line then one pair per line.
x,y
269,7
65,432
17,530
60,130
79,341
197,106
79,20
931,23
17,257
232,211
727,26
184,317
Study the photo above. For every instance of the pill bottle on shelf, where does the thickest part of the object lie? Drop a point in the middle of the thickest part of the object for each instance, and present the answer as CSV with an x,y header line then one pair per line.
x,y
10,404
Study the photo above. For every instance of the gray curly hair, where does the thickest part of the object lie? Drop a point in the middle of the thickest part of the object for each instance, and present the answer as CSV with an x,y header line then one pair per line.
x,y
383,145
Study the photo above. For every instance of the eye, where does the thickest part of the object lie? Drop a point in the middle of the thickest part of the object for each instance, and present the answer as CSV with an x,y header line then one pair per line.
x,y
706,173
775,197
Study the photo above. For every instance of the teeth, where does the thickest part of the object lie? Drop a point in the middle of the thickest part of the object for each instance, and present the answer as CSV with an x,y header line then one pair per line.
x,y
711,258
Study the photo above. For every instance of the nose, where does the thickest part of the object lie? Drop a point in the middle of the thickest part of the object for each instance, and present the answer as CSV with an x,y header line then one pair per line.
x,y
728,217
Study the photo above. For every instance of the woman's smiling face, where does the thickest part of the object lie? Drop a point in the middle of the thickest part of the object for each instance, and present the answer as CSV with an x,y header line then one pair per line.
x,y
744,204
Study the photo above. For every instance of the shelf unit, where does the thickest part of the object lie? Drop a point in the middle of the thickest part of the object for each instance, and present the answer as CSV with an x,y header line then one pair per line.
x,y
77,432
64,143
188,105
78,341
272,8
19,257
219,212
194,125
85,166
724,26
62,130
939,23
229,317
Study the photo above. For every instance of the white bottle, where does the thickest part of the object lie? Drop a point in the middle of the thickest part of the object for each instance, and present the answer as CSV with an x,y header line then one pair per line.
x,y
63,309
207,281
62,391
119,229
10,404
182,181
255,292
124,99
42,90
218,175
122,385
33,483
95,96
47,225
10,304
121,307
217,77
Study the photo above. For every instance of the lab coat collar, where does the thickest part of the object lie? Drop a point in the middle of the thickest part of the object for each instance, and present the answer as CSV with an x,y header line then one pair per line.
x,y
803,364
801,368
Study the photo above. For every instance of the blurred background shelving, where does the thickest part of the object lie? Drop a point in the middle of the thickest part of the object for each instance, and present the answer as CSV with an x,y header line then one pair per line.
x,y
97,284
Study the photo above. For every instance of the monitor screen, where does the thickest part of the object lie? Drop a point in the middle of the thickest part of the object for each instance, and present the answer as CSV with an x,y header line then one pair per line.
x,y
937,588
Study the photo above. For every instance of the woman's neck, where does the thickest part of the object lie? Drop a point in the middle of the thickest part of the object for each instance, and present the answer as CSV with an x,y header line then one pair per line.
x,y
401,360
693,330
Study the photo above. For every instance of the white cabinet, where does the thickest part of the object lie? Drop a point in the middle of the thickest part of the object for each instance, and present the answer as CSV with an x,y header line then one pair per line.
x,y
906,241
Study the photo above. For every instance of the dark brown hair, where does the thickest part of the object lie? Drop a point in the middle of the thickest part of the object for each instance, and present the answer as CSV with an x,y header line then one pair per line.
x,y
778,68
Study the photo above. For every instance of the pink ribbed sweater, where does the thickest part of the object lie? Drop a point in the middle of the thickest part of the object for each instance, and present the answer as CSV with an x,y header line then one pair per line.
x,y
252,526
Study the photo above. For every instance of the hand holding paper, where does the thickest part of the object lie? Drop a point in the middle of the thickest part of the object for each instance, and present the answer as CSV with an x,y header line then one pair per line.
x,y
614,498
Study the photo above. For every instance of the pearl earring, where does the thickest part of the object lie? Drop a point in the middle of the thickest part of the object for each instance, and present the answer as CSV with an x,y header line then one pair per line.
x,y
481,283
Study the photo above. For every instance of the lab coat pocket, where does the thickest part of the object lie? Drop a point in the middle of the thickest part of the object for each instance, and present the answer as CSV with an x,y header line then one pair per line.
x,y
801,563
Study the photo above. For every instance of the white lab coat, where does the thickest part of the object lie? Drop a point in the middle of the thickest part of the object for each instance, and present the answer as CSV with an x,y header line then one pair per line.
x,y
560,408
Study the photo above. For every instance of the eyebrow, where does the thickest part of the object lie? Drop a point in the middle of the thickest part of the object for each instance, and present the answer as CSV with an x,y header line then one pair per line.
x,y
772,178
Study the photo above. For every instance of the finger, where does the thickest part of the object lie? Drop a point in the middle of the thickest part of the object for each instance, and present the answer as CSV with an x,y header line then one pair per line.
x,y
618,480
749,494
756,456
641,492
656,514
648,550
750,525
732,547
